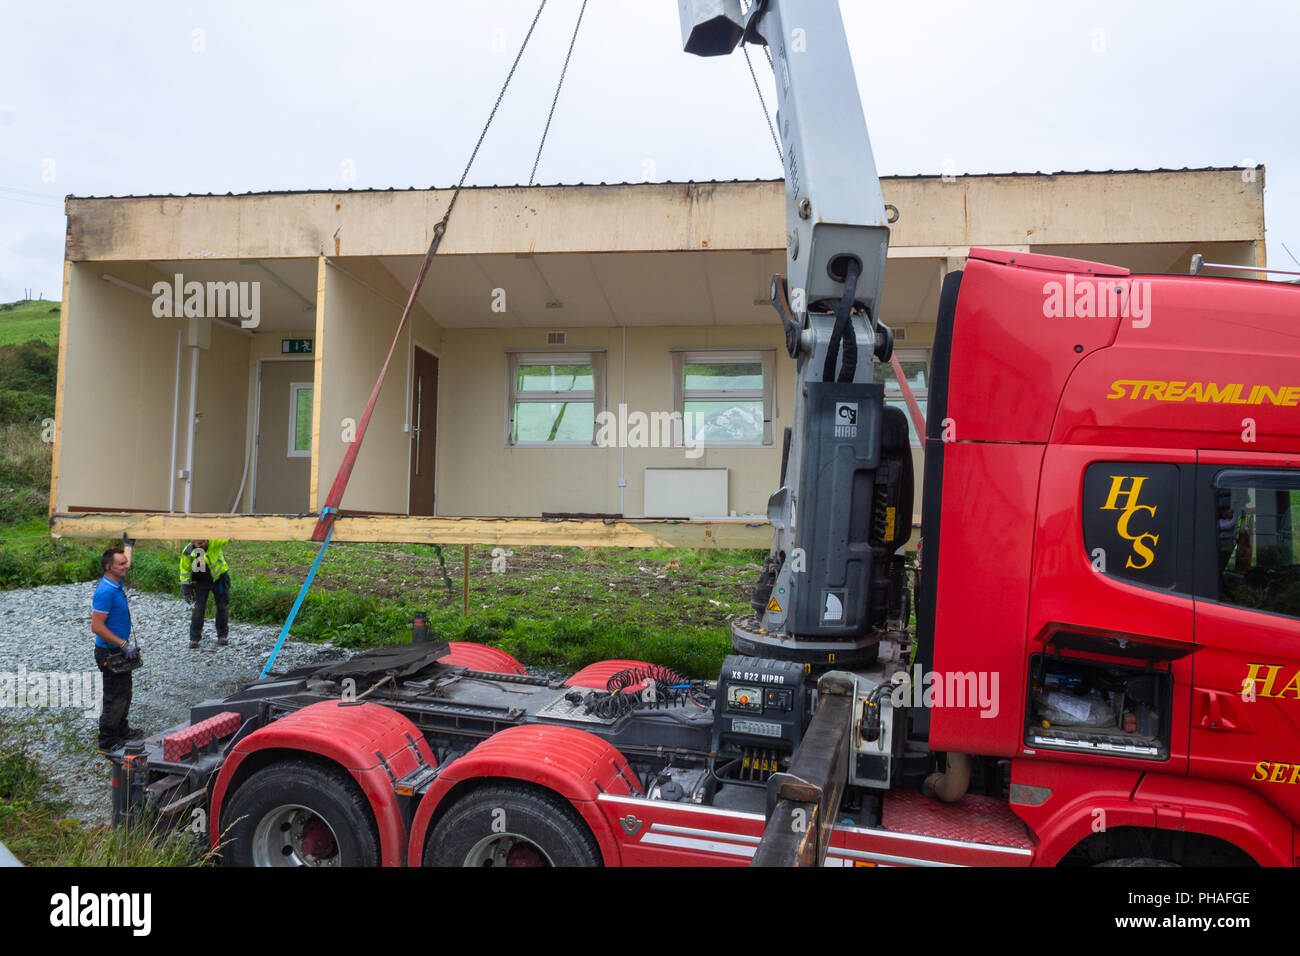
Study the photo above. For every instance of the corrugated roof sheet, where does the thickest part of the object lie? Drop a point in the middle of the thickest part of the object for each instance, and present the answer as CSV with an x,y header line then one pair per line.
x,y
689,182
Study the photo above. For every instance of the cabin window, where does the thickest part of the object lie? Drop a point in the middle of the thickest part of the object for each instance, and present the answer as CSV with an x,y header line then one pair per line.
x,y
1257,554
554,398
725,396
916,369
300,399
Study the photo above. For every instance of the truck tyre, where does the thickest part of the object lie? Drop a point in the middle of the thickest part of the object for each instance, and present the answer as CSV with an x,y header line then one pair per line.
x,y
511,825
299,813
1136,861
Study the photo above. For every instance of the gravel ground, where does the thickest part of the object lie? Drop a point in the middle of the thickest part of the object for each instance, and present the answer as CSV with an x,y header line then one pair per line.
x,y
47,630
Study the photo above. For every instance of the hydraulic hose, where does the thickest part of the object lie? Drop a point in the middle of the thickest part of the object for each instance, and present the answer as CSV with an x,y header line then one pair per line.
x,y
843,330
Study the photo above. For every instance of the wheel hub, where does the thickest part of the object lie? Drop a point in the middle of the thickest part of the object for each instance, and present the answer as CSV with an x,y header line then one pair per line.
x,y
506,849
317,841
294,835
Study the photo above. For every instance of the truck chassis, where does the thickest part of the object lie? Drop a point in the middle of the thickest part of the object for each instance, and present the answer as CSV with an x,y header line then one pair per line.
x,y
451,754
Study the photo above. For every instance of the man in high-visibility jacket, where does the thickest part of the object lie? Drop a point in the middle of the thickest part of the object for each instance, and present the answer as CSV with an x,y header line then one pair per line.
x,y
204,570
1245,540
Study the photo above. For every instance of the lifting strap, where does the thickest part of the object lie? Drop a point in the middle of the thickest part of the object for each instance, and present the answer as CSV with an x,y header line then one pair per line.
x,y
918,419
324,529
302,593
334,499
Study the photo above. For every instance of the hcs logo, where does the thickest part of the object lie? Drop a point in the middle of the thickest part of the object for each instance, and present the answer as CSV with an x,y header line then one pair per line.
x,y
1131,516
1124,497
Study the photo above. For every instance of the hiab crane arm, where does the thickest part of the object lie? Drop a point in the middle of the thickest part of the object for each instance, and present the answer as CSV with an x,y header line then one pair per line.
x,y
844,502
844,505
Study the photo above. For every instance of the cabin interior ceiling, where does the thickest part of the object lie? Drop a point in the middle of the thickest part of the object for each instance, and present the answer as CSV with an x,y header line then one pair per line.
x,y
287,287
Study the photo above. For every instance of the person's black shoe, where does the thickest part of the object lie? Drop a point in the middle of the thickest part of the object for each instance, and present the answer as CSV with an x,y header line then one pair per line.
x,y
133,733
222,642
112,745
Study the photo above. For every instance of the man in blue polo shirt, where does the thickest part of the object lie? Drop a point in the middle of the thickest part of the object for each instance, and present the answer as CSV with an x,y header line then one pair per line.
x,y
110,621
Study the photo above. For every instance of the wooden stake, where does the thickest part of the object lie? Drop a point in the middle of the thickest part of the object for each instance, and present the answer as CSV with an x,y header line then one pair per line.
x,y
464,591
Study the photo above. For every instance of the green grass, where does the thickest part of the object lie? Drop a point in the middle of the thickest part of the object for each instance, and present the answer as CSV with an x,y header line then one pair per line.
x,y
28,561
24,530
35,827
28,368
22,321
24,478
552,608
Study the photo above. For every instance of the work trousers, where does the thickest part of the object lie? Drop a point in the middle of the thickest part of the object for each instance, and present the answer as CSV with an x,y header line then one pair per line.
x,y
220,590
113,724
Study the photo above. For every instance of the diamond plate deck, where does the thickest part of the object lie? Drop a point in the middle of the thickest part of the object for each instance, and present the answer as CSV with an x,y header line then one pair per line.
x,y
972,819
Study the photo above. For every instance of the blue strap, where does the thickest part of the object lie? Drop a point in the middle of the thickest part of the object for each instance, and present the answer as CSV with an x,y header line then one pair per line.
x,y
306,586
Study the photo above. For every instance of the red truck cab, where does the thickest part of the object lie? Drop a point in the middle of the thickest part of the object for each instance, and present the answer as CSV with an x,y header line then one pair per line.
x,y
1112,471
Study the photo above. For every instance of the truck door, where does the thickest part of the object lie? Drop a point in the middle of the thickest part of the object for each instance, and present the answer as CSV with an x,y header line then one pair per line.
x,y
1245,720
1113,580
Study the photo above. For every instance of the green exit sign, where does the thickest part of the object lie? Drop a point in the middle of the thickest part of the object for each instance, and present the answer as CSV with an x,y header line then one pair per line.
x,y
295,346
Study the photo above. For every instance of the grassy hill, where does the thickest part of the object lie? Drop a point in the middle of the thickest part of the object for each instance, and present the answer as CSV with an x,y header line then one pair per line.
x,y
29,338
23,321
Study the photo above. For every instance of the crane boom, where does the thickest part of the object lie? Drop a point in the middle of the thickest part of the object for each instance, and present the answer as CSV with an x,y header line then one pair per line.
x,y
834,206
844,503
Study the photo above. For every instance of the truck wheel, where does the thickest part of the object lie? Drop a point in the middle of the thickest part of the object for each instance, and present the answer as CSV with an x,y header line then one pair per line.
x,y
511,825
299,813
1136,861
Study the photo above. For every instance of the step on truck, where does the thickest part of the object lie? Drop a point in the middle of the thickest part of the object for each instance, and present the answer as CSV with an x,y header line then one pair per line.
x,y
1095,661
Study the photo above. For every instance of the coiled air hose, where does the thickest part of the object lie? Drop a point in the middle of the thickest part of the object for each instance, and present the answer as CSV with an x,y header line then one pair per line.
x,y
667,687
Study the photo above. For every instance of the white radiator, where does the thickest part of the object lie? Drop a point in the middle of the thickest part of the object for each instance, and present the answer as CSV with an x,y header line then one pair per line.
x,y
685,492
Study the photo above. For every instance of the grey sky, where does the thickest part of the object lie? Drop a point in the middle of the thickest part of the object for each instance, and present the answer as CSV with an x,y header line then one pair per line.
x,y
115,99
